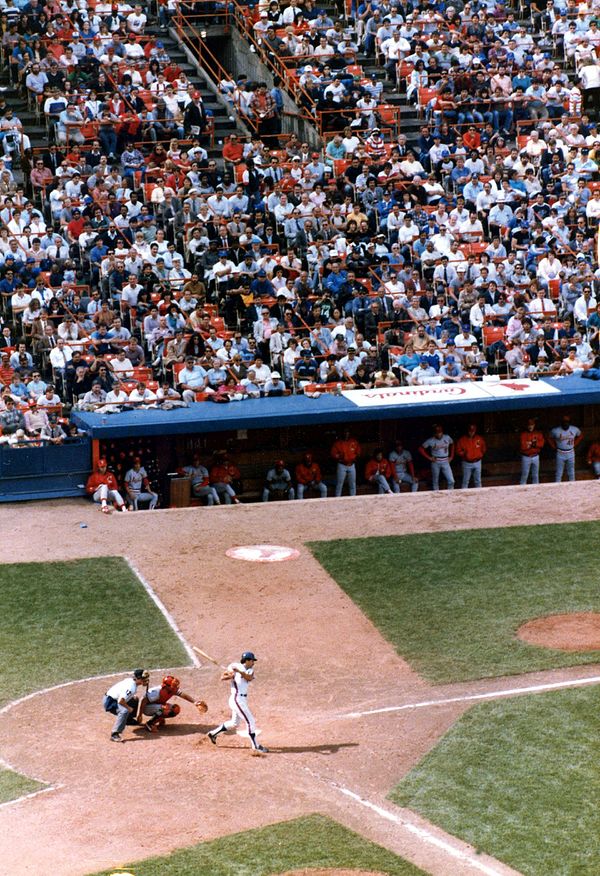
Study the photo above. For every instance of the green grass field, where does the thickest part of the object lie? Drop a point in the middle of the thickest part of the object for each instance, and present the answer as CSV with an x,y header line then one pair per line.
x,y
451,602
314,841
13,785
519,779
63,621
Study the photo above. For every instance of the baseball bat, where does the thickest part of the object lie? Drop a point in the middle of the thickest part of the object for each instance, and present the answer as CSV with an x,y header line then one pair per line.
x,y
208,657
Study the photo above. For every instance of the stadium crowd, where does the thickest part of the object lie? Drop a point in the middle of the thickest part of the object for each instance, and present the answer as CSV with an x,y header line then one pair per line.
x,y
139,269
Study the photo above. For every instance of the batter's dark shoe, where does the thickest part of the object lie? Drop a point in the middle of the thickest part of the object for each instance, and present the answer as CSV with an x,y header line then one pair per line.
x,y
262,748
212,738
116,737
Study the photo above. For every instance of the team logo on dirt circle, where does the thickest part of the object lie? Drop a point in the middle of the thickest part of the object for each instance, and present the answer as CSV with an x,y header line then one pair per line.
x,y
263,553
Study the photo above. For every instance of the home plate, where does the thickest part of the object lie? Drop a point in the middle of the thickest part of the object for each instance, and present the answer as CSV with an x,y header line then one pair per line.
x,y
263,553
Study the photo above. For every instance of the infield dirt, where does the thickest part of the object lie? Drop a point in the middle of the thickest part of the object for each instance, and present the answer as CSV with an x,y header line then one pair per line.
x,y
318,657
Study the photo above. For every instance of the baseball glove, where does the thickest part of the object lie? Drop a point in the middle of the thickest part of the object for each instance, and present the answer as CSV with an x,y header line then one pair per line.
x,y
201,706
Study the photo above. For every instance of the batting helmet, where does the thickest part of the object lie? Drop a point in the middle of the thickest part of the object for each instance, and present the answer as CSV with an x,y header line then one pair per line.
x,y
141,675
171,682
247,655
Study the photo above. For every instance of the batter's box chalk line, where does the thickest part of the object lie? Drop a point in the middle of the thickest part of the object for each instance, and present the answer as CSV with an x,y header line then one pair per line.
x,y
195,664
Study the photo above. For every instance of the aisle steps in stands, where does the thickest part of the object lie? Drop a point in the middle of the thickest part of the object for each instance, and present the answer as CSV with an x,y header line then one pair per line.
x,y
36,129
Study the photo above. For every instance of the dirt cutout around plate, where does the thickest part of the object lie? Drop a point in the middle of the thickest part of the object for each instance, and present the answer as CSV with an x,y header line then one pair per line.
x,y
579,631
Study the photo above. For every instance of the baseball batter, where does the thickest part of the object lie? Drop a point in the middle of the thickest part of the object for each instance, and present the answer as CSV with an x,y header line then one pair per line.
x,y
157,707
240,675
439,450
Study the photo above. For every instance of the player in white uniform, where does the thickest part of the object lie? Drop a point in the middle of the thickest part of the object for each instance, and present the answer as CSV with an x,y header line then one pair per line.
x,y
402,461
564,439
240,675
439,450
121,700
137,486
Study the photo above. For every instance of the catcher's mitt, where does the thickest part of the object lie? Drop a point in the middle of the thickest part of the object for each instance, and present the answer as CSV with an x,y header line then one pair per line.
x,y
201,706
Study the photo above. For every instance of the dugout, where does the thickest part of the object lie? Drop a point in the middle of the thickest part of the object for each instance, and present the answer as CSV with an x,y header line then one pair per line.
x,y
257,432
44,471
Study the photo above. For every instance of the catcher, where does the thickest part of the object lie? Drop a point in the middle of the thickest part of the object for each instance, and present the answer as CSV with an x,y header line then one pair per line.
x,y
157,707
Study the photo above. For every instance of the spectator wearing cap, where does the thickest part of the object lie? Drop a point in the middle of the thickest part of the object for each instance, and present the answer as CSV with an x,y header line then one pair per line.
x,y
424,374
261,286
305,369
274,386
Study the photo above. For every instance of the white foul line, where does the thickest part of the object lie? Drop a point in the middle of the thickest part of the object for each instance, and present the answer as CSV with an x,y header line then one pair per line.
x,y
31,795
491,695
38,693
164,611
423,834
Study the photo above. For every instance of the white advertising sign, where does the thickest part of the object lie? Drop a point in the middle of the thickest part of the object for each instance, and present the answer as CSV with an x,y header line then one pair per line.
x,y
446,392
398,395
515,387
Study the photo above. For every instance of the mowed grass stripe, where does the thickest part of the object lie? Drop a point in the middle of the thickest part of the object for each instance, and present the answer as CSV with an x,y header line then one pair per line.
x,y
519,780
313,841
451,602
68,620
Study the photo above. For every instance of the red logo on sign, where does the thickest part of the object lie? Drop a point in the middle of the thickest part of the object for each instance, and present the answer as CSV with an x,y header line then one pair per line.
x,y
518,387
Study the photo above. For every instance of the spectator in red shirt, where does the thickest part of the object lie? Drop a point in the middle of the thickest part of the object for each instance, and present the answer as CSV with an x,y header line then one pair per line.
x,y
233,150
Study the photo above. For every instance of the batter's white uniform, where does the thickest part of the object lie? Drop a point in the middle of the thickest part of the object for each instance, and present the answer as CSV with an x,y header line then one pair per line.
x,y
238,699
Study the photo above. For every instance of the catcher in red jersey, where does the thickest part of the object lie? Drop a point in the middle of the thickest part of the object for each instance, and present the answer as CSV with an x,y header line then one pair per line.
x,y
157,707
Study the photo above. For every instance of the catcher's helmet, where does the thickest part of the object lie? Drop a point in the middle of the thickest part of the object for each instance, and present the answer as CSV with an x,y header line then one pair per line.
x,y
171,682
247,655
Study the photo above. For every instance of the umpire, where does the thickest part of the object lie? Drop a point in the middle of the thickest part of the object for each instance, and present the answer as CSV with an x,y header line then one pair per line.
x,y
121,700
